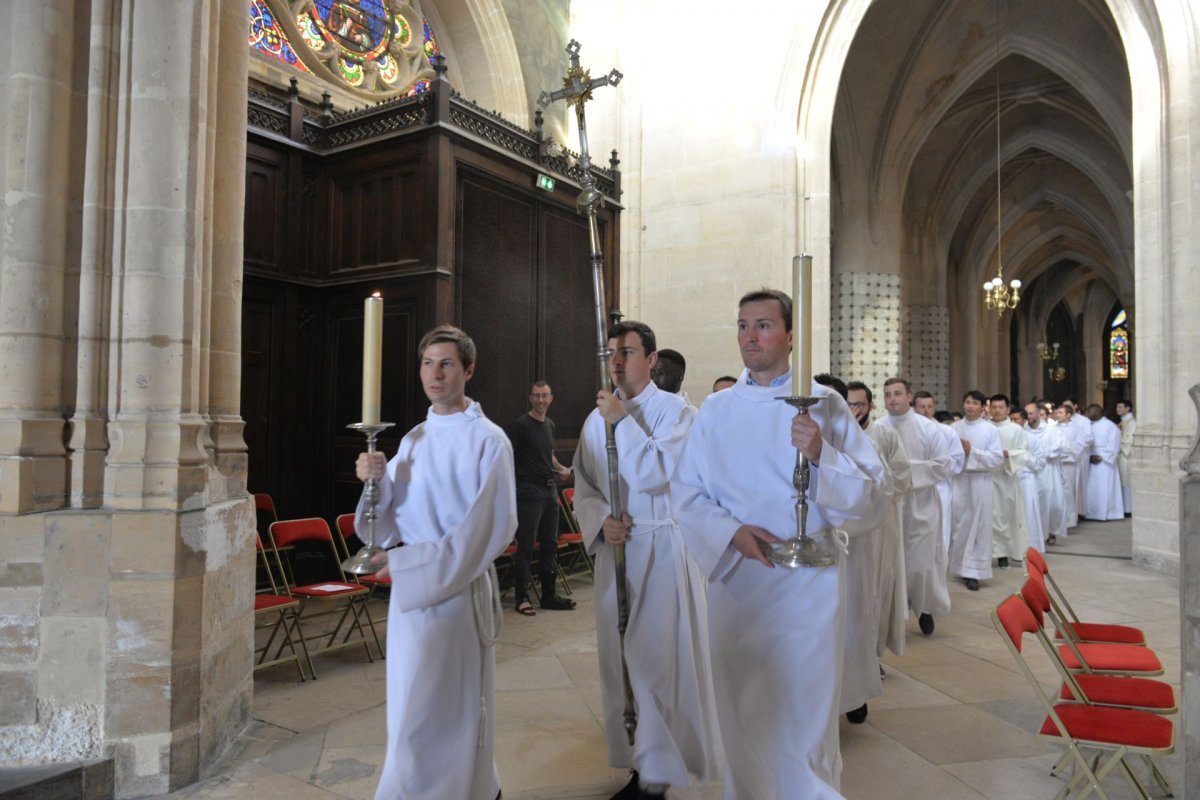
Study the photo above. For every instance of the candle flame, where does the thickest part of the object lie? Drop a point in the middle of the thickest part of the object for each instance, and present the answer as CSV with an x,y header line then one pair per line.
x,y
376,294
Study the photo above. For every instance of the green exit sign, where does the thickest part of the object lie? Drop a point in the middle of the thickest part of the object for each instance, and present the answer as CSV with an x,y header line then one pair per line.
x,y
545,182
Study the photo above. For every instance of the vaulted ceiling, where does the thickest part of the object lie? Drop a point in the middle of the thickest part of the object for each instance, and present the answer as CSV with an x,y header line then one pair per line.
x,y
915,153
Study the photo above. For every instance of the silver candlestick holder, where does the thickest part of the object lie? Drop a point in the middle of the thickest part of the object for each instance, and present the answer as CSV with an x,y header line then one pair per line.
x,y
803,550
361,563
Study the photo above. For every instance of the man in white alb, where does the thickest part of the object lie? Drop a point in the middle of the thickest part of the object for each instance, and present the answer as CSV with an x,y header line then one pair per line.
x,y
1083,442
923,405
1128,427
449,496
876,564
1028,477
776,633
1075,447
666,642
930,462
1104,502
971,536
1010,534
1052,502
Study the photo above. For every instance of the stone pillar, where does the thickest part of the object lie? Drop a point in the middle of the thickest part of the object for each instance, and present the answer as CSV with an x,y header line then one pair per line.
x,y
865,328
126,618
927,352
1189,606
36,94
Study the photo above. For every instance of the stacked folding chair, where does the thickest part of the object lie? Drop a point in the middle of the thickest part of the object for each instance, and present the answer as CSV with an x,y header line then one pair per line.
x,y
279,613
1084,726
1107,705
570,543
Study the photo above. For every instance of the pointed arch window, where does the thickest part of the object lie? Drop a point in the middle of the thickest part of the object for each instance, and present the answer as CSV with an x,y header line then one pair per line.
x,y
1118,347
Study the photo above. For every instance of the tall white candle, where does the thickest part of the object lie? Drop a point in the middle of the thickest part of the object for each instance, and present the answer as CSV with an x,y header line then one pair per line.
x,y
801,325
372,358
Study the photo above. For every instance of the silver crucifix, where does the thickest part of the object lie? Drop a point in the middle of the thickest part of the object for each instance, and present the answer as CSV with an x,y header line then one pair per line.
x,y
577,89
578,86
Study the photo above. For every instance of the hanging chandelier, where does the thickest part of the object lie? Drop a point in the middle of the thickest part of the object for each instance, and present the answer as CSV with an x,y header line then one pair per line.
x,y
998,296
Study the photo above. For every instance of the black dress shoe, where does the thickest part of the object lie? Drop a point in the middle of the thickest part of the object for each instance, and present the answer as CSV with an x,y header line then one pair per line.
x,y
972,584
1003,562
554,602
629,791
925,621
858,716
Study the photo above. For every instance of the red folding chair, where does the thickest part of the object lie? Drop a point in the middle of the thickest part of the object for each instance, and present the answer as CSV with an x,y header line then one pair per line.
x,y
279,613
1120,732
345,599
1100,658
1068,624
571,543
344,526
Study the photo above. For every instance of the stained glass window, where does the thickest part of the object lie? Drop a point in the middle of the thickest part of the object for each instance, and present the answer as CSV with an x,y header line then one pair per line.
x,y
266,36
1118,348
370,45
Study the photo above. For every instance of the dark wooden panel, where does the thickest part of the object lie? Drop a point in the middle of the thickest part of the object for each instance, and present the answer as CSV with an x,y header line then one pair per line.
x,y
265,220
495,276
261,332
375,217
568,347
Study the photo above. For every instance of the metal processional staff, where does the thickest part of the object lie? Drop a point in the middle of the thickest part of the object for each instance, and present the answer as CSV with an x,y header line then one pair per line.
x,y
578,86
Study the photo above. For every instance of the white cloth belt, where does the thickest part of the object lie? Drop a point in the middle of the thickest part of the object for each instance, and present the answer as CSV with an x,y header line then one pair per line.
x,y
489,624
641,527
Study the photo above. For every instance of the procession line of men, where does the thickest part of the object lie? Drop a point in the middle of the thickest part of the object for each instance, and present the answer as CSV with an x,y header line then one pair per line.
x,y
739,669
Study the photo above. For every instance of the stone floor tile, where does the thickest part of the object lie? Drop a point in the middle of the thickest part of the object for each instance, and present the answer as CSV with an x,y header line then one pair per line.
x,y
950,734
876,765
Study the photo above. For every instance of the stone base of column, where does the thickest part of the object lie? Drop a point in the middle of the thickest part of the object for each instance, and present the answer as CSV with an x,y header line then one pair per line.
x,y
127,634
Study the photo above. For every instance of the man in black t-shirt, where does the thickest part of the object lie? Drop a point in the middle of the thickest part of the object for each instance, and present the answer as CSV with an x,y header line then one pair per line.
x,y
532,437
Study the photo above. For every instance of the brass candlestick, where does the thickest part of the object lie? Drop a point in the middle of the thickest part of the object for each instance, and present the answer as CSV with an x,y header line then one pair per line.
x,y
361,562
803,550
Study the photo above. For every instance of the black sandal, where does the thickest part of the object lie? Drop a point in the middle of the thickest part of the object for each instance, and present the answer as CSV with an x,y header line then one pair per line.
x,y
525,607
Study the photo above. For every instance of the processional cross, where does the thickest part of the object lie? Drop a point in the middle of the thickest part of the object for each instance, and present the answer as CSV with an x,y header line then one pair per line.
x,y
577,89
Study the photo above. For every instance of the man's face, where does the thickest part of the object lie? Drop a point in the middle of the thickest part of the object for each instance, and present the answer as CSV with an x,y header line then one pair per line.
x,y
1015,417
1043,413
719,385
1034,418
896,399
924,406
998,410
860,407
763,337
667,375
1122,409
540,398
444,378
1060,414
629,365
972,409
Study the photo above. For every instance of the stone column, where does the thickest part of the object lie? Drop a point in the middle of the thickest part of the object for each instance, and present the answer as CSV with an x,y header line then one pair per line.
x,y
126,619
1189,604
927,352
36,95
865,327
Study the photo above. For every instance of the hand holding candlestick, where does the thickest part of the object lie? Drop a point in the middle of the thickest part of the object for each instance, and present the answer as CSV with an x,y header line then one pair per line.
x,y
362,562
803,550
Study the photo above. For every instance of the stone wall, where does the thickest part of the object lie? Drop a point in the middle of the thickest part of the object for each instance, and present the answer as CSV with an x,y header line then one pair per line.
x,y
126,534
